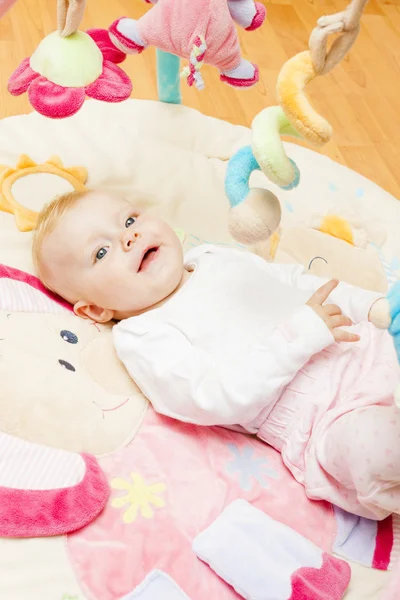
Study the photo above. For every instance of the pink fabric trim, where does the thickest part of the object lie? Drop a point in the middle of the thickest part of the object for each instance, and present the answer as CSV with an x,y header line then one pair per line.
x,y
21,79
242,83
34,282
33,513
395,553
55,101
327,583
113,85
384,544
259,17
108,50
129,45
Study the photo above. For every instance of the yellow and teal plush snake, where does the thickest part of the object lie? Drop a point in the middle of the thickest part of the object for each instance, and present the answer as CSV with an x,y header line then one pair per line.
x,y
254,213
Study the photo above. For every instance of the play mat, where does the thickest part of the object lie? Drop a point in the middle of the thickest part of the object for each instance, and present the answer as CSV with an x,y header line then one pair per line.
x,y
168,480
97,490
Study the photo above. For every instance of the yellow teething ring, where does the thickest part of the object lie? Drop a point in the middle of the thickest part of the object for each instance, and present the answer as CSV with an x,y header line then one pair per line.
x,y
293,79
25,217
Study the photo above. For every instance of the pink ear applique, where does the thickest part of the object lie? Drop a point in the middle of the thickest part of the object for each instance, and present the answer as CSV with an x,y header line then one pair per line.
x,y
43,491
47,492
22,292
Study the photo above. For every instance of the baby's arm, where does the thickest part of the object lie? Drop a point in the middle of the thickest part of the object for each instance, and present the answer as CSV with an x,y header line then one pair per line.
x,y
192,385
355,302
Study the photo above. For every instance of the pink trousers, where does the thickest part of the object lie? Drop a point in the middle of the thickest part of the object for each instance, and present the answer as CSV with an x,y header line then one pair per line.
x,y
338,429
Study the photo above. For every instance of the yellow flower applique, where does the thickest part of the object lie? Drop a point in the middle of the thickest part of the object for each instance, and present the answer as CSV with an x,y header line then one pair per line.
x,y
139,497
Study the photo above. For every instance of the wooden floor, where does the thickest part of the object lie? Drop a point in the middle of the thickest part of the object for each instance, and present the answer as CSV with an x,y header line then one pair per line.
x,y
361,98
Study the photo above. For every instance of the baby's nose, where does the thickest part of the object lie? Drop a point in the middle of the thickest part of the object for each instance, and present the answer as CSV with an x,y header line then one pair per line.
x,y
129,239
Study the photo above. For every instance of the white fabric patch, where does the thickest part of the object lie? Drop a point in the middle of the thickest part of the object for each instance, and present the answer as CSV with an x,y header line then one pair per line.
x,y
157,586
245,70
242,12
129,28
21,297
256,555
28,466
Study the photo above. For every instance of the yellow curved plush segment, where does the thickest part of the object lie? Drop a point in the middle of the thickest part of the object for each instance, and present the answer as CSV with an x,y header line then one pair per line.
x,y
337,227
294,77
267,145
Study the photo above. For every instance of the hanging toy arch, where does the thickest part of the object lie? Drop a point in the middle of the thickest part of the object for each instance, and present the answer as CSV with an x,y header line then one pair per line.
x,y
198,32
254,212
70,64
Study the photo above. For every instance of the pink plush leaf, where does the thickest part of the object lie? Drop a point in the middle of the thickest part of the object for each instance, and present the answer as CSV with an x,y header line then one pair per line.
x,y
21,79
103,41
113,85
54,101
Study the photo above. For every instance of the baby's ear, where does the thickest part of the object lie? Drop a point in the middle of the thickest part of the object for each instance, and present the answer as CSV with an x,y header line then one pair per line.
x,y
92,312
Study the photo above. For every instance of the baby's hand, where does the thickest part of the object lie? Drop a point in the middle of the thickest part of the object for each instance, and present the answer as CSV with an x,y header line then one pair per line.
x,y
331,314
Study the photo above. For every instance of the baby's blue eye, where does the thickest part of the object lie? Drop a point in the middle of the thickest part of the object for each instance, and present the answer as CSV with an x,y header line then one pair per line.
x,y
129,222
101,253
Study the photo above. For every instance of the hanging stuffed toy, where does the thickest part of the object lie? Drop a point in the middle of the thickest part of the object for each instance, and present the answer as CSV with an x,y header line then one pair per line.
x,y
44,491
69,65
200,31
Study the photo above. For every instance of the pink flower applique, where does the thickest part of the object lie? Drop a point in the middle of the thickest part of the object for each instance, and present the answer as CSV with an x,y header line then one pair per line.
x,y
109,83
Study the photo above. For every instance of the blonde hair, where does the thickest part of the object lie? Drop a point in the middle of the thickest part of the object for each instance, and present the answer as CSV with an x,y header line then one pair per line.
x,y
48,219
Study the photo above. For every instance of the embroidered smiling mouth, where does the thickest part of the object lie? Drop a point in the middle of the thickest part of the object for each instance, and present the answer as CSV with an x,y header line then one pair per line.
x,y
148,257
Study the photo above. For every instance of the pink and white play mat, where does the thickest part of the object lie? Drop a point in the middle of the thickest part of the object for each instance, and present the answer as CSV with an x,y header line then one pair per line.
x,y
62,386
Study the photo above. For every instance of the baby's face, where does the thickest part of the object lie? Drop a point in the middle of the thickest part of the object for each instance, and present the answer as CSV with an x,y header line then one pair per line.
x,y
110,260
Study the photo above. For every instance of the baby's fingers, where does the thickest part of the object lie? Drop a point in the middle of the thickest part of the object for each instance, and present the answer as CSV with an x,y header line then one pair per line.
x,y
332,309
345,336
323,293
340,321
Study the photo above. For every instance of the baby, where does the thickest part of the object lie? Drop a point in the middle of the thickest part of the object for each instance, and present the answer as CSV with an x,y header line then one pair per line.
x,y
222,337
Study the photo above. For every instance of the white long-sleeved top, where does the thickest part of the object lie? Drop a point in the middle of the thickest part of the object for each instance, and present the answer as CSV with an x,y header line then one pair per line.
x,y
223,348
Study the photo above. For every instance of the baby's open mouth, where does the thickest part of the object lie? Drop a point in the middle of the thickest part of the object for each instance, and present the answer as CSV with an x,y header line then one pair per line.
x,y
148,257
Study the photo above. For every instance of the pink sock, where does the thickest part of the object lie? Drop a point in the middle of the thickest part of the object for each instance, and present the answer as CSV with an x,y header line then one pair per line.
x,y
247,14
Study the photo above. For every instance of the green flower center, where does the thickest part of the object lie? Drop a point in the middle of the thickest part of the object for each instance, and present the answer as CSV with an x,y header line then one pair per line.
x,y
74,61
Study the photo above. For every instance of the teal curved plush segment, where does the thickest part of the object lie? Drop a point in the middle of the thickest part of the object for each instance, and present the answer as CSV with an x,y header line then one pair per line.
x,y
296,179
394,303
168,77
238,172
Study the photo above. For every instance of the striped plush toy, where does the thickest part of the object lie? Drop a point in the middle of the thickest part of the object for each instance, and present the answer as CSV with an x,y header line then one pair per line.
x,y
201,31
